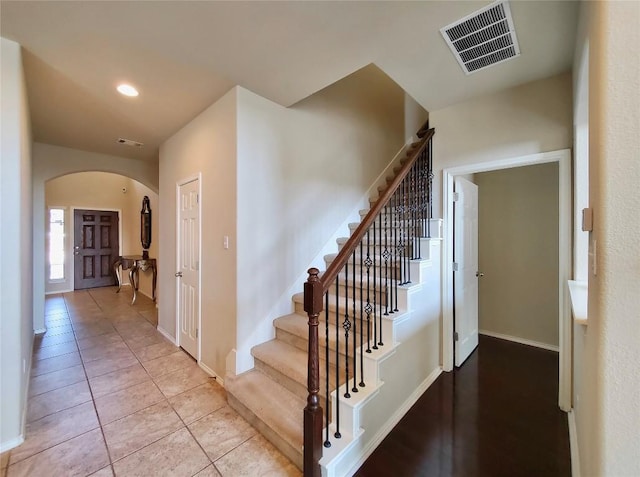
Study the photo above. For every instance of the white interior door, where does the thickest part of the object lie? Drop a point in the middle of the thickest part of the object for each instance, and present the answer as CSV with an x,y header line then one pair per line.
x,y
465,280
188,274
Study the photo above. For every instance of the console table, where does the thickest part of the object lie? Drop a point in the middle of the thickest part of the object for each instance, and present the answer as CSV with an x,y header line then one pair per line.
x,y
135,263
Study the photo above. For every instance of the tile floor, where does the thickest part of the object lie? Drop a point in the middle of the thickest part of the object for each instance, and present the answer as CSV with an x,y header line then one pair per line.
x,y
109,395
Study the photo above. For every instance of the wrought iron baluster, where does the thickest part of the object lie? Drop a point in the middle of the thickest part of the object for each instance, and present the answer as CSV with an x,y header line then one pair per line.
x,y
361,384
386,255
396,271
430,169
414,212
327,442
337,434
367,309
346,325
354,321
375,295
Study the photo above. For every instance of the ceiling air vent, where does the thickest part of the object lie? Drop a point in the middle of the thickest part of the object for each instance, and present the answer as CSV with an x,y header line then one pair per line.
x,y
129,142
484,38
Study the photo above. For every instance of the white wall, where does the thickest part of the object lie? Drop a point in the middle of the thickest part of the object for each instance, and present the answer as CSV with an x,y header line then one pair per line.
x,y
104,191
16,320
518,252
301,172
609,409
414,118
50,162
205,146
528,119
279,186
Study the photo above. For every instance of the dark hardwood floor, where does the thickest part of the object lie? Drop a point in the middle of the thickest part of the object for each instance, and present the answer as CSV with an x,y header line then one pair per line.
x,y
495,416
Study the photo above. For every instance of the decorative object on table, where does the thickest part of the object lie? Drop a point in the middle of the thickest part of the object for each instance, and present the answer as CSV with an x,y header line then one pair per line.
x,y
145,227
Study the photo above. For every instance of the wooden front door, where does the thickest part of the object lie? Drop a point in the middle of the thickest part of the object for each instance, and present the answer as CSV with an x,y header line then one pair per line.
x,y
95,248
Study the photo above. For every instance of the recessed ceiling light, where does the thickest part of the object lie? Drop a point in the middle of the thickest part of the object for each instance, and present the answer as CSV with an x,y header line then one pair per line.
x,y
127,90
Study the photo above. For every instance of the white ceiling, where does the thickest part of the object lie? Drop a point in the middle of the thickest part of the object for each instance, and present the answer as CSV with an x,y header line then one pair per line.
x,y
183,55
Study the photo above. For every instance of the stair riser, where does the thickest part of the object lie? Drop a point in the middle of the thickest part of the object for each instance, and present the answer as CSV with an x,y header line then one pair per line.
x,y
380,296
383,271
332,317
376,250
303,344
392,231
298,388
295,455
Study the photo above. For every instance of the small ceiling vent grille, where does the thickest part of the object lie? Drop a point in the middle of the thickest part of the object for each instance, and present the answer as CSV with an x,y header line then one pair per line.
x,y
484,38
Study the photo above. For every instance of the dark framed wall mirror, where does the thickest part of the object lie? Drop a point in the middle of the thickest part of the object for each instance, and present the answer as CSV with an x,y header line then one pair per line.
x,y
145,227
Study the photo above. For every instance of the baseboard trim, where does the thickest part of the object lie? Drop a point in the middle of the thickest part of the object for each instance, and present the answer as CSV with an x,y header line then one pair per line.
x,y
394,419
523,341
573,444
211,373
57,292
164,333
11,443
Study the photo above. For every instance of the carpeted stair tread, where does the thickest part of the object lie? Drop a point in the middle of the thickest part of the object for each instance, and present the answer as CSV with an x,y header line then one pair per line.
x,y
271,403
297,325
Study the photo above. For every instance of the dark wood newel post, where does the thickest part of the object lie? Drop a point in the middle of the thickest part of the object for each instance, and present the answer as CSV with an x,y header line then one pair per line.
x,y
313,411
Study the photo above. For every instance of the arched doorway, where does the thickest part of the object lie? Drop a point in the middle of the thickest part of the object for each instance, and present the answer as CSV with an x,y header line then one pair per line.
x,y
51,162
70,197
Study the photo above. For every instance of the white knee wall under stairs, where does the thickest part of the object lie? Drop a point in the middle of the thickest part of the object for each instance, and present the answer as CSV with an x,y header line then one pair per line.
x,y
396,374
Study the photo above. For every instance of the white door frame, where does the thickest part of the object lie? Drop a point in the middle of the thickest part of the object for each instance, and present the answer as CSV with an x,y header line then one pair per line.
x,y
180,183
563,158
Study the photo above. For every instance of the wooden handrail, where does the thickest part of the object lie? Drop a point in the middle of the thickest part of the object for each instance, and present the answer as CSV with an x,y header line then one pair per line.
x,y
338,263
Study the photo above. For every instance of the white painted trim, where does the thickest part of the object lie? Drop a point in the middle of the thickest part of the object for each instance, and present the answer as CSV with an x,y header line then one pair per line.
x,y
58,292
573,444
39,331
191,178
27,387
388,426
164,333
563,157
12,443
211,373
73,208
523,341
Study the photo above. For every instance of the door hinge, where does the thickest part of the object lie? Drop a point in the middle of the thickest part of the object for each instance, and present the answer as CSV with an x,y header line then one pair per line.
x,y
197,198
196,332
454,266
455,336
456,196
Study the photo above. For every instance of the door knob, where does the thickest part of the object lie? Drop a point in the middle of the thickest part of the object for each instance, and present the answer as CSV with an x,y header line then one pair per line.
x,y
179,274
479,274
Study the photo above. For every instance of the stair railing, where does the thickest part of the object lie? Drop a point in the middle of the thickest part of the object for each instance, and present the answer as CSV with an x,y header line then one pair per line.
x,y
364,279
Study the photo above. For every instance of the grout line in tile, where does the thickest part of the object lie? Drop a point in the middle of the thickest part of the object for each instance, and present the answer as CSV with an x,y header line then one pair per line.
x,y
145,446
246,440
61,410
47,448
93,401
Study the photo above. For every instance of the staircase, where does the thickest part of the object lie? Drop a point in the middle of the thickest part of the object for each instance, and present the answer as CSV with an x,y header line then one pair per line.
x,y
273,395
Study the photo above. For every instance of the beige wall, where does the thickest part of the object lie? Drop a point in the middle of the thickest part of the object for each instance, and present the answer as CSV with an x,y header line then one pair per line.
x,y
104,191
518,252
301,172
50,162
265,169
608,415
528,119
16,283
206,146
